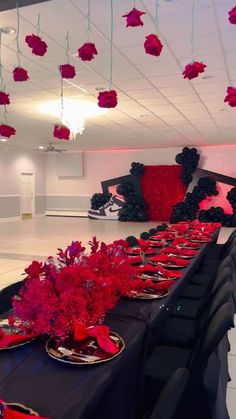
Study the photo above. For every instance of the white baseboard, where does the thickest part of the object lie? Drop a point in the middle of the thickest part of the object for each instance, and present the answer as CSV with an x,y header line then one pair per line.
x,y
67,213
2,220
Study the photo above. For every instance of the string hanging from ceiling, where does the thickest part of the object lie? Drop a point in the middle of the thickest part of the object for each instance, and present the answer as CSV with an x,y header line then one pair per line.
x,y
108,99
19,73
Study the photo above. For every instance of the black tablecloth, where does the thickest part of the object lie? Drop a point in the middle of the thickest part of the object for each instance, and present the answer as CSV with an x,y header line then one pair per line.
x,y
106,391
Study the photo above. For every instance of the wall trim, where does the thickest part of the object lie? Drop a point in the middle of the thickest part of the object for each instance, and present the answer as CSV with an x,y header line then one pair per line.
x,y
9,195
10,219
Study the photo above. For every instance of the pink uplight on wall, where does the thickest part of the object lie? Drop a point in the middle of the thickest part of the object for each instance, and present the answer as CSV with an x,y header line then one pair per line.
x,y
220,200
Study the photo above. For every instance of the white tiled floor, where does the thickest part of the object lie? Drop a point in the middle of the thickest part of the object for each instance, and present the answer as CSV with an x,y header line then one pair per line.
x,y
25,240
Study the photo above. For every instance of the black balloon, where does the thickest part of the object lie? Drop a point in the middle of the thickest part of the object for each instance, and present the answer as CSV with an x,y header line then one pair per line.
x,y
189,159
99,199
132,241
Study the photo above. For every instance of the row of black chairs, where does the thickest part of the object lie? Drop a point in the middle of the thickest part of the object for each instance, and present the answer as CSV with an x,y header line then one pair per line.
x,y
198,323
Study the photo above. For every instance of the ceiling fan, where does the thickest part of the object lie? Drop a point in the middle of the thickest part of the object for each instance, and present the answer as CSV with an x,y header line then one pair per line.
x,y
50,148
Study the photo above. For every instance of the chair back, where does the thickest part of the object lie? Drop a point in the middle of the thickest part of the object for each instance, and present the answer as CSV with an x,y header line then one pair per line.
x,y
221,297
219,325
226,246
6,295
227,262
170,395
223,276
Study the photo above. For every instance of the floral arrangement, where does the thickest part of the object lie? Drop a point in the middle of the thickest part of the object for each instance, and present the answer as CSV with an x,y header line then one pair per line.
x,y
38,46
133,18
231,96
193,70
153,45
75,290
20,74
67,71
107,99
61,132
7,130
87,51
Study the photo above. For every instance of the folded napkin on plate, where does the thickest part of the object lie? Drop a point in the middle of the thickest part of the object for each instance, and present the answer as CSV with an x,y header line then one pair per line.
x,y
166,235
167,259
9,340
165,273
185,242
141,286
100,332
202,237
177,251
7,413
180,228
134,259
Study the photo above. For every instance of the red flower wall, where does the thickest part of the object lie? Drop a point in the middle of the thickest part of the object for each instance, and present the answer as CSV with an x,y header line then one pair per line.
x,y
162,189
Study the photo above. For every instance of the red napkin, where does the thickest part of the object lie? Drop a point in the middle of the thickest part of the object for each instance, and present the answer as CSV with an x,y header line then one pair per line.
x,y
8,413
180,228
100,333
182,240
167,235
141,286
134,259
177,251
165,259
9,340
150,269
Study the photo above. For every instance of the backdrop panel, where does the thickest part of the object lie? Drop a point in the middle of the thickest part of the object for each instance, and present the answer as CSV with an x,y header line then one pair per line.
x,y
162,188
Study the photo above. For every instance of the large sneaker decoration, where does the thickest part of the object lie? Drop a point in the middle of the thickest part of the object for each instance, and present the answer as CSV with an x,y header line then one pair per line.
x,y
109,211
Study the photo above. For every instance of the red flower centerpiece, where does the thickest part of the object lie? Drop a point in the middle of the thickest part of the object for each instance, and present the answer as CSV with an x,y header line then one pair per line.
x,y
232,16
231,96
67,71
87,51
153,45
38,46
20,74
61,132
4,99
6,130
107,99
193,70
133,18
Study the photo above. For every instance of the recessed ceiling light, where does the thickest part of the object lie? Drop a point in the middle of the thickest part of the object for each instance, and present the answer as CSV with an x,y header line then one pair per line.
x,y
3,140
40,147
207,77
8,30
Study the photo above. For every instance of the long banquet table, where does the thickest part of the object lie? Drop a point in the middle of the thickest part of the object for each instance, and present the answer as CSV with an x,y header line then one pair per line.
x,y
110,390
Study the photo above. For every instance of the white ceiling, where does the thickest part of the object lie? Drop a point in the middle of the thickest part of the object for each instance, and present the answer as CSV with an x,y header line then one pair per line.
x,y
157,107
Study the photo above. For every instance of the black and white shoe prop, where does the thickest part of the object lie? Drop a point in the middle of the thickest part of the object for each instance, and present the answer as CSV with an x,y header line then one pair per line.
x,y
109,211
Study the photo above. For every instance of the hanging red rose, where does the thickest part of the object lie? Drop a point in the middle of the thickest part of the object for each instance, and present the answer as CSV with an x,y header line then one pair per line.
x,y
87,51
193,70
133,18
4,99
38,46
153,45
61,132
67,71
6,130
231,97
20,74
232,16
107,99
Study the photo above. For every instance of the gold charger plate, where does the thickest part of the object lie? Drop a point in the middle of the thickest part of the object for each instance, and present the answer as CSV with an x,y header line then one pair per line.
x,y
13,330
156,278
83,353
18,407
154,295
170,266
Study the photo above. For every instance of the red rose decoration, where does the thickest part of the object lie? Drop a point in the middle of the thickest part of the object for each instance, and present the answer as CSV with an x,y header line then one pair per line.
x,y
107,99
87,51
133,18
4,99
231,97
153,45
6,130
20,74
232,16
192,70
38,46
34,269
67,71
61,132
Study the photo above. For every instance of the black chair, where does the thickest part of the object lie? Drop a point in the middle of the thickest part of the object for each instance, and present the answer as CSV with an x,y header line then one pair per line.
x,y
218,252
6,295
190,308
170,396
184,332
164,360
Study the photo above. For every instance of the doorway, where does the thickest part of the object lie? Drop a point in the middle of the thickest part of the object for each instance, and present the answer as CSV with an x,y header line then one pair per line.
x,y
27,195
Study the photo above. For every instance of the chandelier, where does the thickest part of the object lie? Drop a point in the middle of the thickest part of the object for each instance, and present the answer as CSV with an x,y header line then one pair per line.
x,y
75,124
